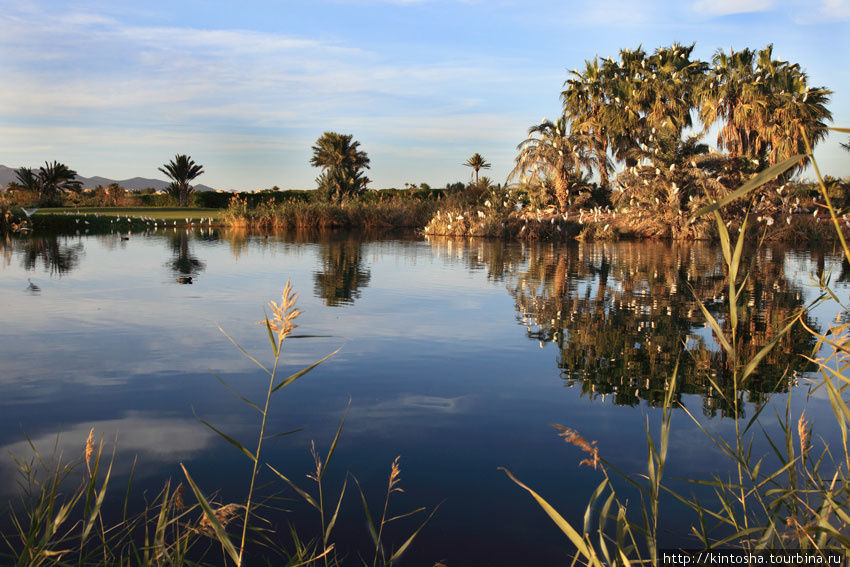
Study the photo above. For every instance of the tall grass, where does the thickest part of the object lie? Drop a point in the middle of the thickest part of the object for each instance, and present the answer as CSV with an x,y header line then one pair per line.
x,y
384,213
796,497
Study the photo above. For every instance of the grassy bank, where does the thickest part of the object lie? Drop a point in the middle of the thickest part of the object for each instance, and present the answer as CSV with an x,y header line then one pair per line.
x,y
107,219
387,213
163,213
621,224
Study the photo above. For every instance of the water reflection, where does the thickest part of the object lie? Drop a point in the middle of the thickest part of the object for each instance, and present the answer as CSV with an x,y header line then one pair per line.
x,y
342,273
157,440
493,256
57,255
620,315
185,265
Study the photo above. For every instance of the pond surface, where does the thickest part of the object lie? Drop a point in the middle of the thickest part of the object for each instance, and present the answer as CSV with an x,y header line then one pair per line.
x,y
457,355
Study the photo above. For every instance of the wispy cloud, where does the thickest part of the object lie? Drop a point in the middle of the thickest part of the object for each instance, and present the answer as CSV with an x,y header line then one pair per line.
x,y
821,11
729,7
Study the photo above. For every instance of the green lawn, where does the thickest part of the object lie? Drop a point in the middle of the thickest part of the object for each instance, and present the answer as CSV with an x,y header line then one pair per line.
x,y
165,213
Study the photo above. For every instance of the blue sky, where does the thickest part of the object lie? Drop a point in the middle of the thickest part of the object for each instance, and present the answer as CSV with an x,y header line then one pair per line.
x,y
117,89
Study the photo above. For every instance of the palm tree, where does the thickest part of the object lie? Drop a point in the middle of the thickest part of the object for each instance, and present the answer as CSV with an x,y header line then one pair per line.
x,y
794,108
181,170
764,106
342,164
477,162
53,178
551,150
583,98
27,179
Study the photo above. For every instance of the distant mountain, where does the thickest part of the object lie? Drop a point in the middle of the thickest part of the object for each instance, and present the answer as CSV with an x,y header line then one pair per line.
x,y
7,175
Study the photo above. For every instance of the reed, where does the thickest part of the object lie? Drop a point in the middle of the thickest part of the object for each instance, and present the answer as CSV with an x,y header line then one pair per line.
x,y
796,498
381,213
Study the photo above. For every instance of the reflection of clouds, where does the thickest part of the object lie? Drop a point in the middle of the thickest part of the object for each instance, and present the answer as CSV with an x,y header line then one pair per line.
x,y
156,441
407,404
405,407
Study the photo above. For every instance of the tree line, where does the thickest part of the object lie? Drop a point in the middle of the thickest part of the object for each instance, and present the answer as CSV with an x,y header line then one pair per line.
x,y
646,115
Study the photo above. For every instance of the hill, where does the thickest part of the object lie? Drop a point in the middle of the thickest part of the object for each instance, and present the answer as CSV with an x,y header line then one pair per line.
x,y
7,175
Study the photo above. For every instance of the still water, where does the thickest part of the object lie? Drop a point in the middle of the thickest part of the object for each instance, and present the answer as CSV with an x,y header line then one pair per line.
x,y
456,355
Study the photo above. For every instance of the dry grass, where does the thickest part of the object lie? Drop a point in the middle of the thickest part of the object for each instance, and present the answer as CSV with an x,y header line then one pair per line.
x,y
387,213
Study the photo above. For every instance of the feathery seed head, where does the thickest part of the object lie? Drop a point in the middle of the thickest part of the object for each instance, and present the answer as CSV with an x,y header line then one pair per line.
x,y
283,314
89,447
572,437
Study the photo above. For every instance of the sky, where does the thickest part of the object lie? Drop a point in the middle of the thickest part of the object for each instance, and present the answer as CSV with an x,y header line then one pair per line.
x,y
117,89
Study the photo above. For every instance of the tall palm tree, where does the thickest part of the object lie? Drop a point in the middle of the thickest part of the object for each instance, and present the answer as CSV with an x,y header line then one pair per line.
x,y
551,150
764,106
670,81
794,108
53,178
583,99
477,162
181,170
342,164
333,150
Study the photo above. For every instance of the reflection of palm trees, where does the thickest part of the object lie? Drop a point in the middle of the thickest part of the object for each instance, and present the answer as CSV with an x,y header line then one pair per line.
x,y
620,317
57,257
184,265
498,259
341,275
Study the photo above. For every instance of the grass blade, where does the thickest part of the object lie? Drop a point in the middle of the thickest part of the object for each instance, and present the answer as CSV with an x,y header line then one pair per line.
x,y
230,440
289,380
559,520
332,521
754,183
220,532
753,363
303,493
333,444
409,540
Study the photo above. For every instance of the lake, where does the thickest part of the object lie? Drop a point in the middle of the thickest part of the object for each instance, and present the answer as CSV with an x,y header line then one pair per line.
x,y
456,355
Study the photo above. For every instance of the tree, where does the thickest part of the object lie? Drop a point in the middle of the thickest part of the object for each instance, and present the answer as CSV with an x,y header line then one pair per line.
x,y
113,193
550,150
342,164
27,179
764,106
625,104
181,170
583,100
54,178
477,162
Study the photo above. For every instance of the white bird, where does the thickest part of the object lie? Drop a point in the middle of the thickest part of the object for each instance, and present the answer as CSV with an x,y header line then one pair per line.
x,y
29,212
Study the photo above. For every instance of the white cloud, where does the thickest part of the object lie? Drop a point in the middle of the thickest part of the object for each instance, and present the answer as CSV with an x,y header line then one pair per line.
x,y
728,7
156,440
824,11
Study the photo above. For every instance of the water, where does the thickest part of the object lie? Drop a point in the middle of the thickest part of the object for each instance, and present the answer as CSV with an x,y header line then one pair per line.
x,y
456,355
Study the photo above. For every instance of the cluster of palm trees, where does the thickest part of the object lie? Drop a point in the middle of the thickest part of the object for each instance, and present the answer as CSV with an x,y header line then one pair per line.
x,y
48,182
51,180
645,114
